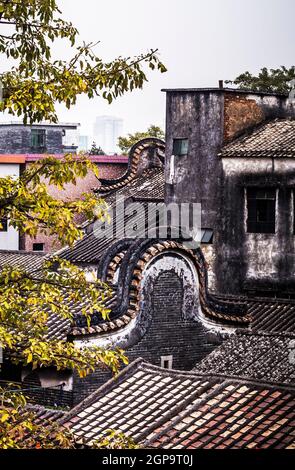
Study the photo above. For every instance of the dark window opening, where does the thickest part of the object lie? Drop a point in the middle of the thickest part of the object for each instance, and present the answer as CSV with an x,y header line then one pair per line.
x,y
166,362
38,138
180,147
38,246
261,204
3,224
207,236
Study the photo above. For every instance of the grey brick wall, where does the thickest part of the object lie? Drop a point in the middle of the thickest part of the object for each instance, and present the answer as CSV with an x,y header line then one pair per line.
x,y
168,334
16,139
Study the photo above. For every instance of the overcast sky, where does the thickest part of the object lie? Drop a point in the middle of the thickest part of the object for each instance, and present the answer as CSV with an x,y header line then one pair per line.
x,y
199,41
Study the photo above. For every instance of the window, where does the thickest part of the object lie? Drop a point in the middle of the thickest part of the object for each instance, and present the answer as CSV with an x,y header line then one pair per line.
x,y
38,138
207,236
261,210
180,147
166,362
38,246
3,226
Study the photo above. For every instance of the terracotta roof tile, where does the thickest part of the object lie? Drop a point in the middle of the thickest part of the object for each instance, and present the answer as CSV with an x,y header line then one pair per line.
x,y
213,412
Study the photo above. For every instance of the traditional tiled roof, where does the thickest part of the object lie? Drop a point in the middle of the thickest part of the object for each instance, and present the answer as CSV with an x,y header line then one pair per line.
x,y
148,188
21,260
150,144
273,139
58,327
261,356
43,415
268,314
40,416
166,408
140,397
265,314
235,415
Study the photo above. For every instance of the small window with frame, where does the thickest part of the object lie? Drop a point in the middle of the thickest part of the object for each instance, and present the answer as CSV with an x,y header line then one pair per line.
x,y
38,246
180,147
38,138
261,205
166,362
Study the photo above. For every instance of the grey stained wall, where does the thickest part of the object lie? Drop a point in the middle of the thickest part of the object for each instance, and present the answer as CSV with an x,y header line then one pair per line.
x,y
257,262
209,119
16,139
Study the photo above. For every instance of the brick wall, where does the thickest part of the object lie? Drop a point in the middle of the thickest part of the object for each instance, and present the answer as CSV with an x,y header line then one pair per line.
x,y
168,334
240,114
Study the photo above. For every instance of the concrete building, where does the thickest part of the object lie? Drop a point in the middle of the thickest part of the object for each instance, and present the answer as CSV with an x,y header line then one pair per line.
x,y
233,152
16,138
107,129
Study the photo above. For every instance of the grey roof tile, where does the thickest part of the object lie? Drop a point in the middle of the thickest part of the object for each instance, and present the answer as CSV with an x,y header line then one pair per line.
x,y
272,139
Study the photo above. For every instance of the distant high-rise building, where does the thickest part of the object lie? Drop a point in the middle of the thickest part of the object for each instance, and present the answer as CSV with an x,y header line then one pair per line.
x,y
83,143
107,129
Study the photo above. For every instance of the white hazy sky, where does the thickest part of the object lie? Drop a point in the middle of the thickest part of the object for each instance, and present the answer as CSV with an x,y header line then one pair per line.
x,y
199,41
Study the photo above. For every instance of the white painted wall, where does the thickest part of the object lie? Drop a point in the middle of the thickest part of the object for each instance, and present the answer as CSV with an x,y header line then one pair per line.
x,y
9,240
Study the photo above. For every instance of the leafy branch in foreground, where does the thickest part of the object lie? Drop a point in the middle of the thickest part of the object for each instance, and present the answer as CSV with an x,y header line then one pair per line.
x,y
37,82
30,208
20,428
31,298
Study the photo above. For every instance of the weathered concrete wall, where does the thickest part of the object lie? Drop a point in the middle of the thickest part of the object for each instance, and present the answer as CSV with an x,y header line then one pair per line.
x,y
208,119
198,117
255,258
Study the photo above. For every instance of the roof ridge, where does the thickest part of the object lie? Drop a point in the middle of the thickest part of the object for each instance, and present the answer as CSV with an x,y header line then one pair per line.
x,y
242,380
277,334
23,252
